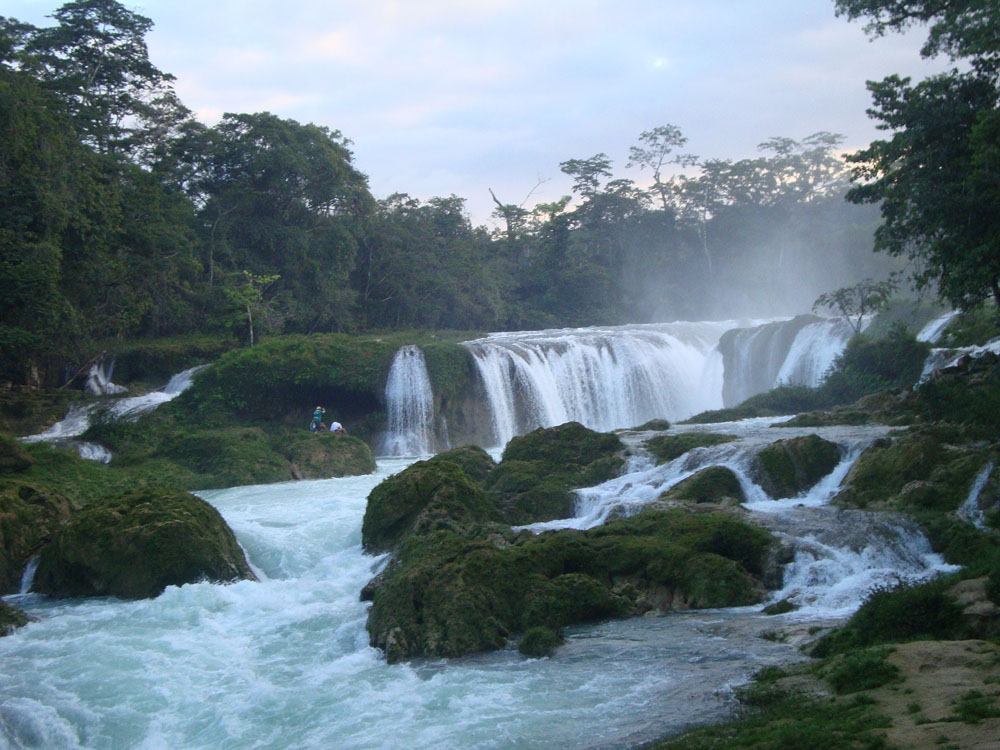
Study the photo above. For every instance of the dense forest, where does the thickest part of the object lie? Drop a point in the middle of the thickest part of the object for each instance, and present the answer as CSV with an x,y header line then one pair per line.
x,y
123,217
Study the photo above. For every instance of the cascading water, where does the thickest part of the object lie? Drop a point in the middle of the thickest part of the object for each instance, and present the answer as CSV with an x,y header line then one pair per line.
x,y
795,352
604,378
972,510
840,555
77,420
935,328
410,403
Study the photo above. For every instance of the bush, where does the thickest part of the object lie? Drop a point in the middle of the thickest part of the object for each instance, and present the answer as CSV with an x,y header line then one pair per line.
x,y
865,670
905,613
871,365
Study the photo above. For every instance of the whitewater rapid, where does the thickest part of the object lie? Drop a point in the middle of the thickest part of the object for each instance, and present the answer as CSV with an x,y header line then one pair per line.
x,y
286,662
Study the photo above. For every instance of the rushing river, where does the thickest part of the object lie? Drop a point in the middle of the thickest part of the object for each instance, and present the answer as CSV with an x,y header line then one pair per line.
x,y
285,662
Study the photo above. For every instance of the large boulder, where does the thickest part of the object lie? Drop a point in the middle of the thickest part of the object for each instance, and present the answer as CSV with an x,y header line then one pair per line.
x,y
427,495
715,484
534,479
29,518
447,594
668,447
11,619
134,546
324,455
787,468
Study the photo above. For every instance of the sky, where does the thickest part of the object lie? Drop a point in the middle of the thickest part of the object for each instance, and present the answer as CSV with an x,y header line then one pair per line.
x,y
442,97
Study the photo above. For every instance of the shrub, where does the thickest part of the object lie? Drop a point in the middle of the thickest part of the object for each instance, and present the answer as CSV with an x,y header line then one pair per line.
x,y
865,670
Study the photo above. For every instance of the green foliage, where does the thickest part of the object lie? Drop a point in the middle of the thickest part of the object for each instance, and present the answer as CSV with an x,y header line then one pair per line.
x,y
713,484
668,447
973,327
539,641
973,707
868,366
787,468
894,615
855,302
862,670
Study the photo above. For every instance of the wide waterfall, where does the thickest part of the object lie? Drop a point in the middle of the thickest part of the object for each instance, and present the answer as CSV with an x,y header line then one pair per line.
x,y
604,378
410,403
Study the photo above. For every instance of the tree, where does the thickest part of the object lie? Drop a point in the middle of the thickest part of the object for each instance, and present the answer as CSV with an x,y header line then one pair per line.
x,y
656,146
246,295
934,178
97,62
855,302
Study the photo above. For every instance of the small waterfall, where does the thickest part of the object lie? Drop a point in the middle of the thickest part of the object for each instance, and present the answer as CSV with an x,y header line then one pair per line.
x,y
840,554
77,420
799,351
604,378
410,403
933,330
28,577
971,509
940,359
99,380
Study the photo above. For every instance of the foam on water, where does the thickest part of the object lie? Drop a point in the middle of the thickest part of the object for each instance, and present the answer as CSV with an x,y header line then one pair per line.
x,y
286,663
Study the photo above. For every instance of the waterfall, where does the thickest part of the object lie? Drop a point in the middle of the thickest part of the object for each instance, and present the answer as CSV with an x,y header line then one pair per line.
x,y
99,380
799,351
604,378
972,510
933,330
78,418
839,554
410,403
28,577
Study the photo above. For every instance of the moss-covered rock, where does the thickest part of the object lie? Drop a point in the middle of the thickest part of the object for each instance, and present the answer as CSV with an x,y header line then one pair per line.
x,y
473,460
11,619
668,447
533,480
715,484
226,456
790,467
448,594
29,517
326,454
12,455
919,469
133,546
426,495
540,641
653,425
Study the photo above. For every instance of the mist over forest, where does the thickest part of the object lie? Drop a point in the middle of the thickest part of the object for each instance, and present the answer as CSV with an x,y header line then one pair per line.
x,y
125,217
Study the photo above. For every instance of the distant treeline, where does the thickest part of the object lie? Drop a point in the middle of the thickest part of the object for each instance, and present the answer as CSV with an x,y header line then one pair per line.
x,y
121,216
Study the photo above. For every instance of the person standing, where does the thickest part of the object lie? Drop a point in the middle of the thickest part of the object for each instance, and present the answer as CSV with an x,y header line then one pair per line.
x,y
317,419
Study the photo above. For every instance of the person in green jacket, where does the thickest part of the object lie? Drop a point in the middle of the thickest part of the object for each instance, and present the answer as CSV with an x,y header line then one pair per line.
x,y
317,420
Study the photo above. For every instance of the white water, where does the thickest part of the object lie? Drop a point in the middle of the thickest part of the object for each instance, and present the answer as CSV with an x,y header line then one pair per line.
x,y
813,351
410,404
604,378
836,562
77,420
940,359
971,509
99,380
934,328
286,663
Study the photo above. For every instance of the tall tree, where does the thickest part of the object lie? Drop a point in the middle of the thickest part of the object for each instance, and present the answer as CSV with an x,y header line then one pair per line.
x,y
932,178
655,146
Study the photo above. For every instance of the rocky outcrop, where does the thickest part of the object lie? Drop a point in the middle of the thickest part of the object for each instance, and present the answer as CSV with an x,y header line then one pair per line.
x,y
29,518
320,456
447,594
668,447
533,481
136,545
426,496
787,468
463,581
715,484
11,619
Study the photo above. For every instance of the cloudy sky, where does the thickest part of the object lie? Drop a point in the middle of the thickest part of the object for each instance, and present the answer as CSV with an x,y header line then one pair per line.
x,y
445,97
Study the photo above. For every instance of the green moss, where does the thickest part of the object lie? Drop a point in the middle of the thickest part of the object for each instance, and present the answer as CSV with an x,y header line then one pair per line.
x,y
473,460
668,447
135,545
12,456
11,619
905,613
780,608
863,670
426,495
714,484
324,455
26,411
540,641
658,425
790,467
448,593
538,470
29,518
